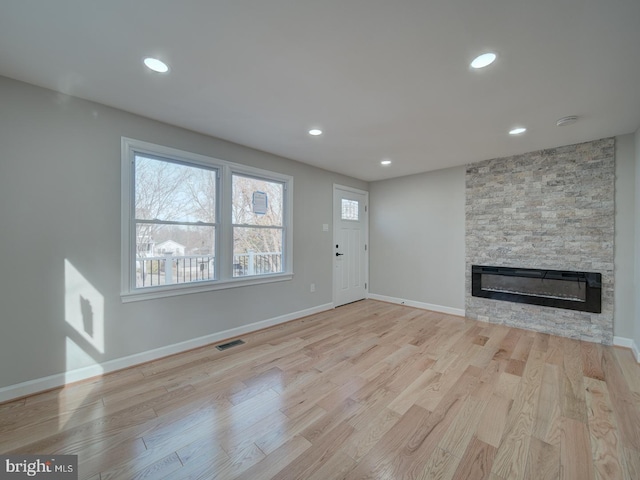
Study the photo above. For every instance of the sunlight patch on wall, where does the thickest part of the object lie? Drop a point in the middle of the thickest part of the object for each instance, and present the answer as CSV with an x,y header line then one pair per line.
x,y
84,343
83,309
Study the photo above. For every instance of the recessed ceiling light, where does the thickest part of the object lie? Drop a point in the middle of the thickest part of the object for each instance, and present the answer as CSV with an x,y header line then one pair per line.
x,y
517,131
156,65
483,60
315,132
564,121
385,162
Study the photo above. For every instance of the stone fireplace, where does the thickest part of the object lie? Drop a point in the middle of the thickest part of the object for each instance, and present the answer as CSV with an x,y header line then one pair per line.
x,y
545,211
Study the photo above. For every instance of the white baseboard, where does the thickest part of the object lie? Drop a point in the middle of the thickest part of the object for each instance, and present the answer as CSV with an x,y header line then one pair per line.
x,y
628,343
425,306
58,380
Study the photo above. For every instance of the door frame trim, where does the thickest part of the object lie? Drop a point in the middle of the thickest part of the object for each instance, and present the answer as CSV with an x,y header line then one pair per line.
x,y
337,186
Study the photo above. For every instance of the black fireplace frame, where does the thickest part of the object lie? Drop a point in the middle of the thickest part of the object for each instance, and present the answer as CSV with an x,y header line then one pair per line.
x,y
592,282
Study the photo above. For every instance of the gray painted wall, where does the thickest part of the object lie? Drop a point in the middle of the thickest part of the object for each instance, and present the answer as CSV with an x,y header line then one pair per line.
x,y
60,205
417,237
624,312
636,335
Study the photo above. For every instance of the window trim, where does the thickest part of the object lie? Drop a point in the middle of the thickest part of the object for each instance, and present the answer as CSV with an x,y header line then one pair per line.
x,y
224,231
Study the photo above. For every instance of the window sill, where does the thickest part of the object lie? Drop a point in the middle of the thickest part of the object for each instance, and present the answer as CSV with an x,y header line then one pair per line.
x,y
152,293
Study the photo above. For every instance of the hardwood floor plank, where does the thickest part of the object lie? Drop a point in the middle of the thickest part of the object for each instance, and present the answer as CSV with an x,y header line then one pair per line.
x,y
572,388
543,461
421,445
476,462
508,344
109,457
271,441
370,407
201,467
541,342
441,387
378,463
547,425
625,407
278,460
368,390
606,448
515,367
332,419
523,347
632,464
575,451
457,437
364,439
592,360
507,386
495,335
415,391
493,419
319,452
160,468
510,458
441,465
336,467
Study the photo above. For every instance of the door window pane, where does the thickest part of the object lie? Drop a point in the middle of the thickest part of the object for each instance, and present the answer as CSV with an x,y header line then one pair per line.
x,y
350,209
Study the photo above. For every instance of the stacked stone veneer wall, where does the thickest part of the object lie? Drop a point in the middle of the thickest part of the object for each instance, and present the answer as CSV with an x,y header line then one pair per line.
x,y
547,209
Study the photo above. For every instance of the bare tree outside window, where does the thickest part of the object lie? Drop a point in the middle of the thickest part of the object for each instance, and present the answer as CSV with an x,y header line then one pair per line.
x,y
257,237
175,217
193,223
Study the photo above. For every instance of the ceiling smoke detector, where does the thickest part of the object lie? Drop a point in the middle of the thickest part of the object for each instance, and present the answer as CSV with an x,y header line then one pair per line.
x,y
564,121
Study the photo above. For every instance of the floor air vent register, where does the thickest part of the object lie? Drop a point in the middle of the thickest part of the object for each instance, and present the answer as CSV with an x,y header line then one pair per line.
x,y
225,346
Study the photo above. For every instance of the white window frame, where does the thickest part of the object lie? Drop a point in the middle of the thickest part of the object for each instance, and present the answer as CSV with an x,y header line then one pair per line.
x,y
224,231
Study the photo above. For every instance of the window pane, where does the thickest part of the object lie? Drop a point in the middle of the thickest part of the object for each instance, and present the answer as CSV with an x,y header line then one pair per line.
x,y
256,202
174,192
172,254
257,251
349,209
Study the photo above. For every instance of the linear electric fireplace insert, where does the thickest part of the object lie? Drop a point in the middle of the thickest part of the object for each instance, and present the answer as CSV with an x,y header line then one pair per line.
x,y
552,288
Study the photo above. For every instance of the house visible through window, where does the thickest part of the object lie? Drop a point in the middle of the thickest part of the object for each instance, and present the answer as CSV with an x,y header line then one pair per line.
x,y
181,234
175,221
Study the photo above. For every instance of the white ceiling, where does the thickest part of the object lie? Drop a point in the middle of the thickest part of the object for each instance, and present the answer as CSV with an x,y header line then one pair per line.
x,y
383,79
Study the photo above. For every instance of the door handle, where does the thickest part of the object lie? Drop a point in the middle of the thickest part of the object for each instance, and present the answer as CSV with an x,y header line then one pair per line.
x,y
338,254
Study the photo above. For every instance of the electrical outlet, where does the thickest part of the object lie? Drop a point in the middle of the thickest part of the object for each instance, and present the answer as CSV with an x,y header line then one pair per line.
x,y
312,288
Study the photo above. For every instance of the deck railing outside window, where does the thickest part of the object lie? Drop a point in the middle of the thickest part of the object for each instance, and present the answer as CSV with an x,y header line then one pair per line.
x,y
153,271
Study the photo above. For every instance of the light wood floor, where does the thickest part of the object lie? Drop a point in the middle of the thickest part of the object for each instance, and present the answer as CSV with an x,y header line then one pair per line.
x,y
369,390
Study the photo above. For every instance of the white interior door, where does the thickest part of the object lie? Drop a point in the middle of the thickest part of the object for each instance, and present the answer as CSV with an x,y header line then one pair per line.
x,y
350,237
